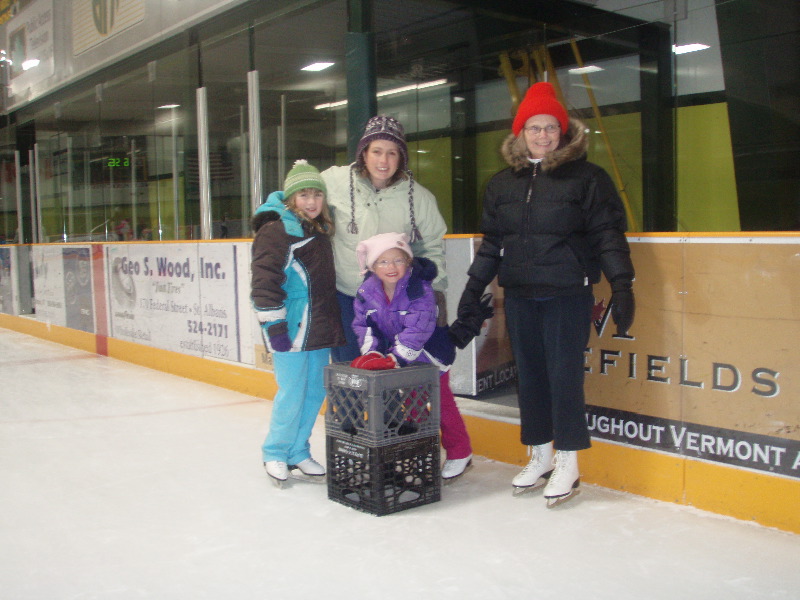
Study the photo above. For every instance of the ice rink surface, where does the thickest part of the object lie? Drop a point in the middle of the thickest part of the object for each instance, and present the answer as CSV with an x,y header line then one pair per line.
x,y
121,482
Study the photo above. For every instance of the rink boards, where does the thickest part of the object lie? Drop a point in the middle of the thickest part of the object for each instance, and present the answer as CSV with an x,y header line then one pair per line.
x,y
697,406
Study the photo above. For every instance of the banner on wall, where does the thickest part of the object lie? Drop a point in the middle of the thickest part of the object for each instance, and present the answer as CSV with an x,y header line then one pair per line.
x,y
8,302
95,21
709,368
29,44
486,363
78,305
62,286
178,297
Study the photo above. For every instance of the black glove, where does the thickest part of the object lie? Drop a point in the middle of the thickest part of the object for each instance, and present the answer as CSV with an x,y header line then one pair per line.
x,y
469,322
623,305
470,301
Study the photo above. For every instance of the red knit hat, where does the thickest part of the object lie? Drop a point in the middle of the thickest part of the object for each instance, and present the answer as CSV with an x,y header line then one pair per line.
x,y
540,99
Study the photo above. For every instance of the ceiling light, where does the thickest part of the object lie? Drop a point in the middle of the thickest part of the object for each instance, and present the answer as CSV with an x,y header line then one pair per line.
x,y
411,88
390,92
166,106
688,48
338,104
317,66
585,70
30,63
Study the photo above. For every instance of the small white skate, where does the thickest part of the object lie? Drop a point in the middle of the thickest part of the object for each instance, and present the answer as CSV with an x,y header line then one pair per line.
x,y
308,470
278,472
454,469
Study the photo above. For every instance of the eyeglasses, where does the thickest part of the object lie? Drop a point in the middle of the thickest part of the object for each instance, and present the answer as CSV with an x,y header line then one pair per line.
x,y
385,264
548,129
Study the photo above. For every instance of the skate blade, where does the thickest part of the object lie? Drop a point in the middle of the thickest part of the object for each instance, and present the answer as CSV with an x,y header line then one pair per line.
x,y
300,476
278,483
555,501
519,491
450,480
540,483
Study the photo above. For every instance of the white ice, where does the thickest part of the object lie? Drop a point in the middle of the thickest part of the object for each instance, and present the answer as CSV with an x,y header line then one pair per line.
x,y
121,482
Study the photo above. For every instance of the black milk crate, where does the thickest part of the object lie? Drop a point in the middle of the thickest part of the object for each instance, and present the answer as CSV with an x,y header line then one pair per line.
x,y
382,407
383,479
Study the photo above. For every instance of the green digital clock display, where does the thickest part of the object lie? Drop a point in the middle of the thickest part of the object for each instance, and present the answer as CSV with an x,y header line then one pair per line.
x,y
118,162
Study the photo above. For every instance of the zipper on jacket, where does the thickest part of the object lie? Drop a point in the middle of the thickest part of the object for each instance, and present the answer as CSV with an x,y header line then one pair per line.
x,y
530,185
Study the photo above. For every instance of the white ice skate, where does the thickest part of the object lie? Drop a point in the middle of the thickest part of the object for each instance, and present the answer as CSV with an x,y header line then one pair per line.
x,y
278,472
308,470
565,481
538,470
455,468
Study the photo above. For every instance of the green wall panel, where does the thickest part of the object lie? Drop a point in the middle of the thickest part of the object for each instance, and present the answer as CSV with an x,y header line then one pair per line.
x,y
706,182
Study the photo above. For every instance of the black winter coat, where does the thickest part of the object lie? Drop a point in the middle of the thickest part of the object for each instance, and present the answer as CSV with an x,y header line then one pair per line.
x,y
549,229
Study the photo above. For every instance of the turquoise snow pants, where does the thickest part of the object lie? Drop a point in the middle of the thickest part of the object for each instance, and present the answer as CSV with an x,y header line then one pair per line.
x,y
301,391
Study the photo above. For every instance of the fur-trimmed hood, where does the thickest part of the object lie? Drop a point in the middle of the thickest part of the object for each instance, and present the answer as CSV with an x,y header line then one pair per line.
x,y
574,145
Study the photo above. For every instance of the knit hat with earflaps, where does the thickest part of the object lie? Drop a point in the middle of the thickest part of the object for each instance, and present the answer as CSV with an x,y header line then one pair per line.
x,y
540,99
383,128
301,177
370,249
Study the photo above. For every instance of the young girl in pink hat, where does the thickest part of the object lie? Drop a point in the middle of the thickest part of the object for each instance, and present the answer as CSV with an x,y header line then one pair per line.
x,y
395,323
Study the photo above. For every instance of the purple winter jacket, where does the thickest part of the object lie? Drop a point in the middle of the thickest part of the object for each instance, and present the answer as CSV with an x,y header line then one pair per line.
x,y
406,326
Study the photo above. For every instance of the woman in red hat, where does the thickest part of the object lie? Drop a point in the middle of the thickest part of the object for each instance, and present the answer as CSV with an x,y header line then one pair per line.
x,y
551,222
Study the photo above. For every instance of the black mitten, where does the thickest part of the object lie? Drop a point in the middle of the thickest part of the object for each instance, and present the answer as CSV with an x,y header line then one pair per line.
x,y
623,305
470,302
461,334
486,310
469,322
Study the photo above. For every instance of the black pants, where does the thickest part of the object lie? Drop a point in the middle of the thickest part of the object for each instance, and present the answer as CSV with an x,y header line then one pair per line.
x,y
548,338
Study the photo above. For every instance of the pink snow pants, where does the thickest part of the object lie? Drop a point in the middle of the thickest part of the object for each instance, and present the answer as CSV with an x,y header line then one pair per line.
x,y
455,439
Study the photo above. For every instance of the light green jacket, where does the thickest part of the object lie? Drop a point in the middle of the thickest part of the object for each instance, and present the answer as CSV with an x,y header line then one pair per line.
x,y
381,211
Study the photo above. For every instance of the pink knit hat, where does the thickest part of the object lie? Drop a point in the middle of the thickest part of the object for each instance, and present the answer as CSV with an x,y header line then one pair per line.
x,y
370,249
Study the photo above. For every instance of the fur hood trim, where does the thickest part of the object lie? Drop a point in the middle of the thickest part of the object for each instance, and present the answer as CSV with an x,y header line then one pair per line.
x,y
574,146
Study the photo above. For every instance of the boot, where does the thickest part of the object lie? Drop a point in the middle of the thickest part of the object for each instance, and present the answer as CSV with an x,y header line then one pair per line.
x,y
537,472
565,481
456,467
278,472
308,470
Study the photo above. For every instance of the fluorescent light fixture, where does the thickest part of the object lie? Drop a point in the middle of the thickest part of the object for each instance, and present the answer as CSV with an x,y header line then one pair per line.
x,y
391,92
317,66
411,88
338,104
30,63
585,70
166,106
689,48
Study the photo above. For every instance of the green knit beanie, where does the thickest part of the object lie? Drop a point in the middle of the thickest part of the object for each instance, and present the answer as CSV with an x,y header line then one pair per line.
x,y
302,176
